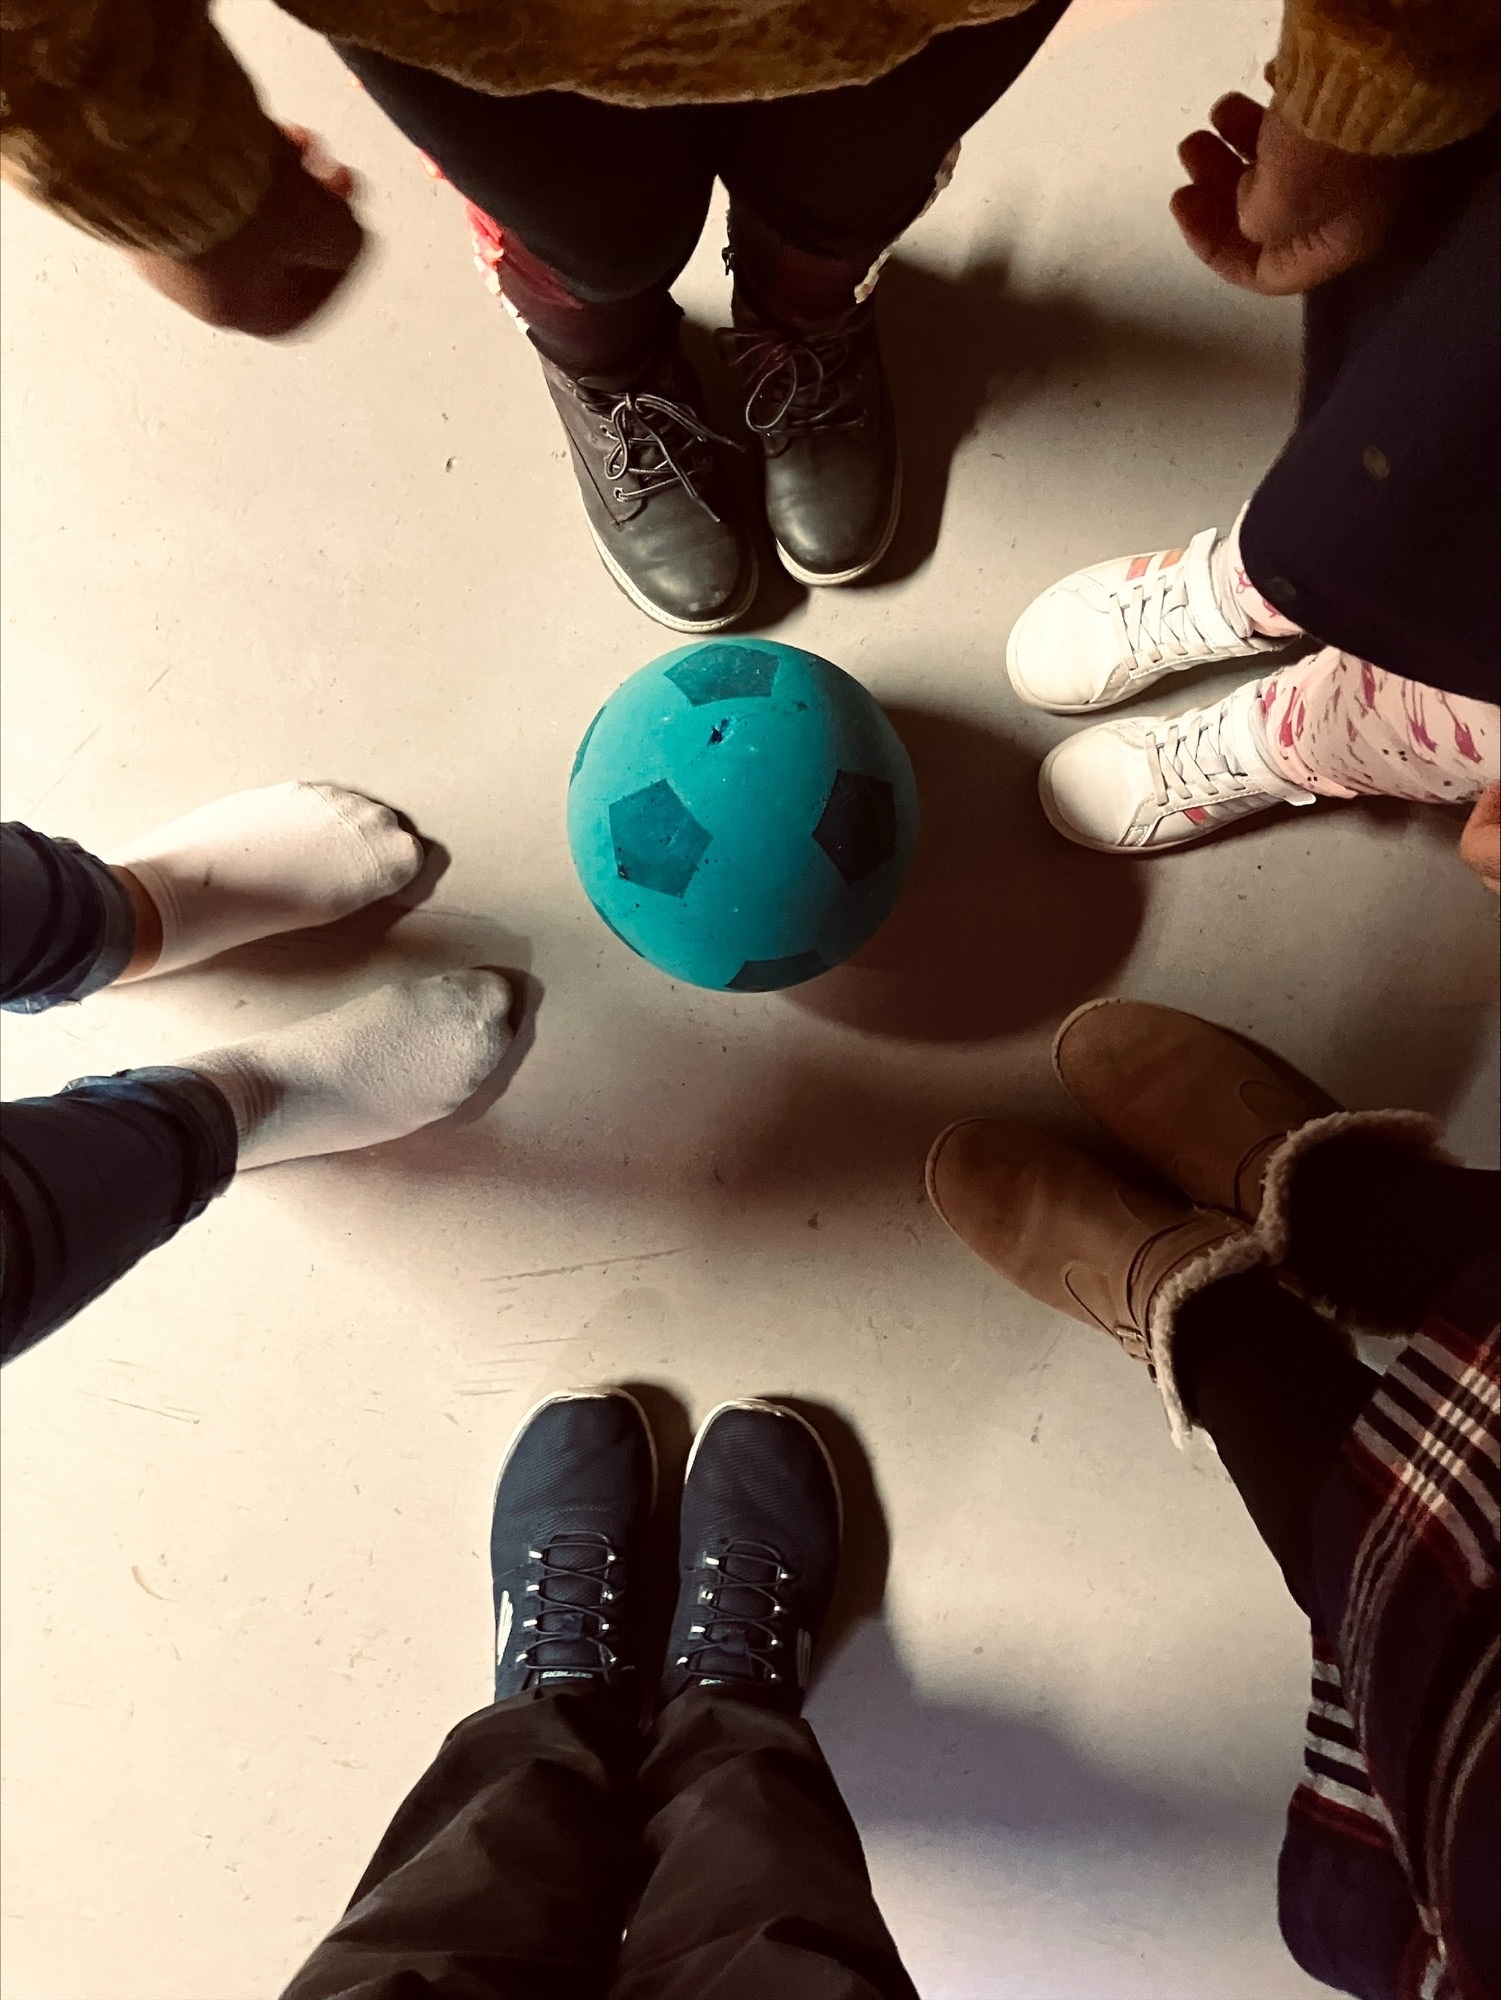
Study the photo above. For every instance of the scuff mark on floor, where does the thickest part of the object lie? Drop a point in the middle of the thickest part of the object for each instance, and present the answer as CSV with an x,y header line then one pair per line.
x,y
589,1264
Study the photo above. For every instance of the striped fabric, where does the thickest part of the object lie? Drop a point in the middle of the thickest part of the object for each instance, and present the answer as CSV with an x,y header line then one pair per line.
x,y
1387,1876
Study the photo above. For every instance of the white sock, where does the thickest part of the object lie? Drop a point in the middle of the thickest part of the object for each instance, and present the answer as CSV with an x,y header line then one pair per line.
x,y
374,1069
254,864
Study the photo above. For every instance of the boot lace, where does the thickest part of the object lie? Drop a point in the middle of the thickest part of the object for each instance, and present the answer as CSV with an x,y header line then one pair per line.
x,y
574,1583
652,442
738,1630
798,381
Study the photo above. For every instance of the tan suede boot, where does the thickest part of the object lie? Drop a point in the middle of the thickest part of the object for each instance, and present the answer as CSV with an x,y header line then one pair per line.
x,y
1083,1239
1210,1112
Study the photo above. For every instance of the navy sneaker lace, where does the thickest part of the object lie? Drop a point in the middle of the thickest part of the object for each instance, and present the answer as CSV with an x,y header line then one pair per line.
x,y
574,1585
739,1631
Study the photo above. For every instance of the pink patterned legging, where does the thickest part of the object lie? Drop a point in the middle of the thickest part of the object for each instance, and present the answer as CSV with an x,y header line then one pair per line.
x,y
1341,727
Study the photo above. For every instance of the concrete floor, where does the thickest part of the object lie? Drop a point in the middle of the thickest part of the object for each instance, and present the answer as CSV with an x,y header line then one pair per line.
x,y
246,1493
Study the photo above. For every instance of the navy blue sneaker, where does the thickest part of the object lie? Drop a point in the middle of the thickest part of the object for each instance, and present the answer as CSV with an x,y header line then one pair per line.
x,y
759,1553
573,1505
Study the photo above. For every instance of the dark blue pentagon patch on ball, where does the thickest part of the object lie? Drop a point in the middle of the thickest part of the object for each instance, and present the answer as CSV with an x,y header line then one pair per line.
x,y
857,829
724,673
766,975
658,843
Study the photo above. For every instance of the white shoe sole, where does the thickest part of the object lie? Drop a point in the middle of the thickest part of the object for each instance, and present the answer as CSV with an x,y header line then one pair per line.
x,y
817,580
775,1410
654,611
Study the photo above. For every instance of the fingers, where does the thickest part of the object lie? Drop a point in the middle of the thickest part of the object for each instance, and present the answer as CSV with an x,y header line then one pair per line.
x,y
1487,808
319,164
327,237
1205,210
1237,118
340,181
306,219
285,306
328,172
1207,220
1271,210
1480,843
307,293
1209,163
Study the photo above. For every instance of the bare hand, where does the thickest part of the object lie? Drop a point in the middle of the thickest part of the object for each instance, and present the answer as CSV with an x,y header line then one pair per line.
x,y
1480,843
1275,212
273,275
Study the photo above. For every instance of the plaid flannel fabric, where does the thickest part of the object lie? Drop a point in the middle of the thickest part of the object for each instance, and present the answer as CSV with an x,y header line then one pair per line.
x,y
1386,1881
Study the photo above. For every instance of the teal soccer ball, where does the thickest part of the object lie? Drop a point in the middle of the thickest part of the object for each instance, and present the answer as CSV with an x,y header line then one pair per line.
x,y
742,814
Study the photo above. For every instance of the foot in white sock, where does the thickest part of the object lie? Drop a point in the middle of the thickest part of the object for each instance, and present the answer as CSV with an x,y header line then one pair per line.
x,y
1157,781
282,858
1108,632
375,1069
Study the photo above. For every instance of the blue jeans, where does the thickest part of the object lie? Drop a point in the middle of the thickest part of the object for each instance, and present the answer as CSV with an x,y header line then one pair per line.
x,y
91,1179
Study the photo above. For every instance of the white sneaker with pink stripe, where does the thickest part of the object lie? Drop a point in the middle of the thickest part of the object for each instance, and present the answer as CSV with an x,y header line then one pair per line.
x,y
1149,782
1109,632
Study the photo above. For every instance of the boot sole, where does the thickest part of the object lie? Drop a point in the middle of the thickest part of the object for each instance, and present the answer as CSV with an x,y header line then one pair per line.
x,y
777,1410
929,1166
654,611
819,580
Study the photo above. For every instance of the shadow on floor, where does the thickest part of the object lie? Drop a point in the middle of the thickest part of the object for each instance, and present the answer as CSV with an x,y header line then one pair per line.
x,y
1407,1037
902,1760
963,345
1002,925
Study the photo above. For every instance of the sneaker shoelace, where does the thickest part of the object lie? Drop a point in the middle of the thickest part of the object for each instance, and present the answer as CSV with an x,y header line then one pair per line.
x,y
640,427
574,1583
738,1631
1154,619
1195,766
798,381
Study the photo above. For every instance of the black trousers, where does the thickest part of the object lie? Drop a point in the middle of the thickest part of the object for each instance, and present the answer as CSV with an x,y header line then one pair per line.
x,y
1379,528
547,1827
614,199
111,1167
